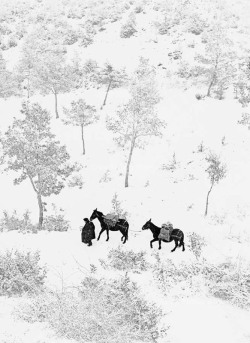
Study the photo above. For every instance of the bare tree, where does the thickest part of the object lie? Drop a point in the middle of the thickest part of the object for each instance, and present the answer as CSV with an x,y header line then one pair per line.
x,y
216,172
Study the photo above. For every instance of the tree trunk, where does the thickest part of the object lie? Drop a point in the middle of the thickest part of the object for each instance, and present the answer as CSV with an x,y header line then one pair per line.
x,y
83,144
207,198
213,77
210,86
40,204
28,87
104,102
129,161
56,110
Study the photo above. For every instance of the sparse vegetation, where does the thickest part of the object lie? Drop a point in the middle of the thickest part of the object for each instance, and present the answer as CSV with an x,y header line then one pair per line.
x,y
103,311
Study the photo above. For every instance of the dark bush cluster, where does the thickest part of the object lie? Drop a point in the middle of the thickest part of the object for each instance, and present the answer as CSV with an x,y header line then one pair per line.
x,y
20,273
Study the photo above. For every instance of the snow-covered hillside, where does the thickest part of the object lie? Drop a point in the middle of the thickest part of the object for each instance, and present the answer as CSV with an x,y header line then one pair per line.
x,y
167,182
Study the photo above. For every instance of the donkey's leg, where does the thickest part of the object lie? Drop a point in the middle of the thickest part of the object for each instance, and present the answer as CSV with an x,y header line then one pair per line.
x,y
176,245
159,244
125,235
102,230
182,243
153,240
107,234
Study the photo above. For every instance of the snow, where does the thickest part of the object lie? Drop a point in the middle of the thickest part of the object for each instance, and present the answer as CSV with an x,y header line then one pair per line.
x,y
161,195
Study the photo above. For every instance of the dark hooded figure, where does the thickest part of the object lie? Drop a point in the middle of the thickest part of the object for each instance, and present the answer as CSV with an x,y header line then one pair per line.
x,y
88,232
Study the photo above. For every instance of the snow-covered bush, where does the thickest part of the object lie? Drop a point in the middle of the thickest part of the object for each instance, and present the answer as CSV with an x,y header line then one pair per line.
x,y
117,207
55,221
129,28
196,244
139,8
12,221
76,181
101,311
229,282
168,275
245,120
20,273
127,260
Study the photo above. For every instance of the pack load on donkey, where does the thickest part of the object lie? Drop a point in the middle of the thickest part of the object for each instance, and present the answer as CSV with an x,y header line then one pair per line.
x,y
110,219
166,230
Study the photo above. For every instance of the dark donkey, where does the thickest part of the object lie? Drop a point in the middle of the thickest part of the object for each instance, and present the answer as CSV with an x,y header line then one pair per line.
x,y
121,225
177,235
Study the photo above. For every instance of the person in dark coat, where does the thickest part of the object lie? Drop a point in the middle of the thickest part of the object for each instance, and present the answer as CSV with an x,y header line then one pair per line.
x,y
88,232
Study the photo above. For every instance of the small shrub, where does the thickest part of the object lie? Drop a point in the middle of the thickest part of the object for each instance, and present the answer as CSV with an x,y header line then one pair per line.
x,y
199,96
245,120
172,165
196,24
12,42
139,9
55,221
163,27
11,222
129,28
86,35
20,273
76,181
196,244
117,207
218,219
106,177
127,260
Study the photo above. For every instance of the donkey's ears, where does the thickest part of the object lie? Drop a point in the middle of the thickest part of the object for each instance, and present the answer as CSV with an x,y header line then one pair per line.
x,y
96,209
150,220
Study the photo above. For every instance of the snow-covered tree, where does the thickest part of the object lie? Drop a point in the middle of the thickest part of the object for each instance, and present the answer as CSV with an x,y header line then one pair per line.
x,y
31,150
138,119
216,171
216,67
7,81
80,114
112,78
43,65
